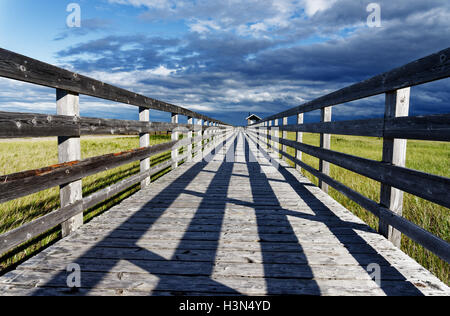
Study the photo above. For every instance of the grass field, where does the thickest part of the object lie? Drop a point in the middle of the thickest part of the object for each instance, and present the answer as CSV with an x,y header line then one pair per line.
x,y
432,157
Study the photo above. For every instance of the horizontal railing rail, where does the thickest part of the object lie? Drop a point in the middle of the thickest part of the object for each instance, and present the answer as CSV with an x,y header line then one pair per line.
x,y
431,127
198,138
19,125
395,129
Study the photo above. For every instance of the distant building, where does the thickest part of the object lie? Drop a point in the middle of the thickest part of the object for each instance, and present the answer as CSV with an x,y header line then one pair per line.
x,y
252,119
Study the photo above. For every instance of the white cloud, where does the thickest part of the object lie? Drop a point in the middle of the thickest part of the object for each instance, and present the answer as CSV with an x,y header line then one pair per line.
x,y
201,26
158,4
248,18
314,6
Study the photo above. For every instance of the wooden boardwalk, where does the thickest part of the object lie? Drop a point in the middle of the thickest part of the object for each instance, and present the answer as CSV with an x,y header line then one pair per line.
x,y
225,227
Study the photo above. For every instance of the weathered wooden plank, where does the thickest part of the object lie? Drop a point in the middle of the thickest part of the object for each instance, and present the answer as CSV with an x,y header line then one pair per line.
x,y
394,152
384,249
431,68
14,238
431,127
322,257
299,137
189,136
270,270
16,125
175,137
144,141
325,143
69,149
371,127
284,134
142,284
19,67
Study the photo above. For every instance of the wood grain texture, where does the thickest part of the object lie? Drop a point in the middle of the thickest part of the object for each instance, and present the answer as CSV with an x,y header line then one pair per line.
x,y
17,125
325,143
431,127
394,152
144,141
69,149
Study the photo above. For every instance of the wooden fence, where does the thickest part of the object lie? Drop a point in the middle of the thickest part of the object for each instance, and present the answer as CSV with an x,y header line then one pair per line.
x,y
68,126
395,128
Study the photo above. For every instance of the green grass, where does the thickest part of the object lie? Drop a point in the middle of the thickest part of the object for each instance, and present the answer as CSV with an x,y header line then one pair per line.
x,y
24,155
431,157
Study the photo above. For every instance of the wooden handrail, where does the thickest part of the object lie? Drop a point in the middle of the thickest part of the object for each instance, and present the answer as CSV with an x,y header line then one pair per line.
x,y
436,245
430,127
395,128
16,125
408,180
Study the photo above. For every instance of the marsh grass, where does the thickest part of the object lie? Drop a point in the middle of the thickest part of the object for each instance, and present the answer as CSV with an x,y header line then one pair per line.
x,y
430,157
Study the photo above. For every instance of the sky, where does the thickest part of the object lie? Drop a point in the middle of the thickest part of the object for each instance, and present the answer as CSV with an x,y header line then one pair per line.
x,y
227,58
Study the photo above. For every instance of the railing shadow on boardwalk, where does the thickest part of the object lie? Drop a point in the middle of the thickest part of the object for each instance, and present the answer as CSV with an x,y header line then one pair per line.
x,y
153,262
388,273
171,272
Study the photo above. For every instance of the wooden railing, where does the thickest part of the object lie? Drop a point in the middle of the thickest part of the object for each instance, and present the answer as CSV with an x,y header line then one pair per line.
x,y
395,128
68,126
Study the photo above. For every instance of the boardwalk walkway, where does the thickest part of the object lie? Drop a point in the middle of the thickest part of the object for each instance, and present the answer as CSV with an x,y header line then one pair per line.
x,y
228,228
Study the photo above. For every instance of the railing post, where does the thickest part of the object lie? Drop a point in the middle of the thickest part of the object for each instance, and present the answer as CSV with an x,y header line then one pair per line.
x,y
190,121
260,135
205,135
325,142
299,139
175,136
270,136
266,138
210,133
394,152
284,135
199,145
69,149
144,141
277,137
